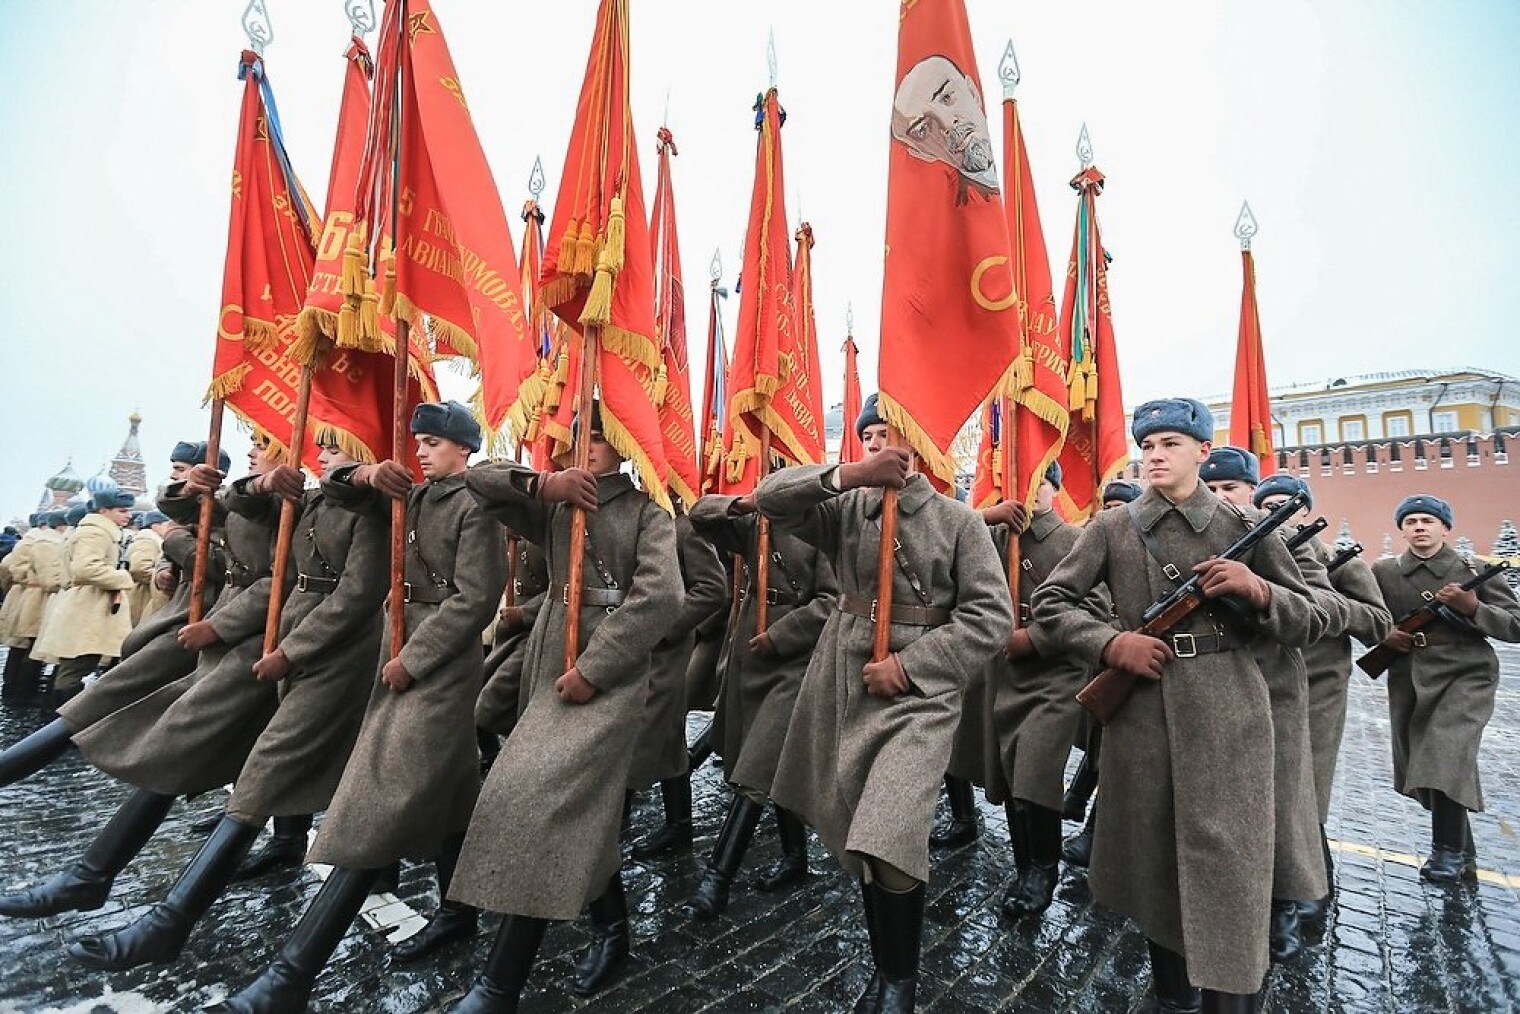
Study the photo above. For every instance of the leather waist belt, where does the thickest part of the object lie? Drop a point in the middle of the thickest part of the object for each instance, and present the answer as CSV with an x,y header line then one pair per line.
x,y
1430,638
242,578
1023,614
601,598
426,594
1193,645
913,616
526,589
316,585
776,597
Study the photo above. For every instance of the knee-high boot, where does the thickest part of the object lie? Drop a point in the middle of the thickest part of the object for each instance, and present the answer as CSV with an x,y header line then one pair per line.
x,y
609,917
1033,892
160,934
451,921
792,866
1077,850
285,849
676,831
1448,862
1084,781
28,756
711,896
10,682
898,932
1169,981
287,982
497,988
1215,1002
870,1000
84,886
962,827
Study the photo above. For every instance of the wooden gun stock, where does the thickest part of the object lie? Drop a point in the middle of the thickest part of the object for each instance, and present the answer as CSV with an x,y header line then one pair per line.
x,y
1110,689
1377,661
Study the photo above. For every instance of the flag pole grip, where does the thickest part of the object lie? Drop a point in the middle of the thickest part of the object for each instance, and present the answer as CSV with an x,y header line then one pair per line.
x,y
882,644
207,519
577,562
398,507
763,543
288,509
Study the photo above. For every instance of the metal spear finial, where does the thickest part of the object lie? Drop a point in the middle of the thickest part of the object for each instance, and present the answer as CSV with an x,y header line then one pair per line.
x,y
1085,147
715,269
770,55
256,26
1245,225
536,178
361,16
849,320
1008,70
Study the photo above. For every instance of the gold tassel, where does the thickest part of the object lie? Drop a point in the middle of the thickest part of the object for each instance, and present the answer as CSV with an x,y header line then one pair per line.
x,y
585,251
388,299
355,265
566,260
348,325
615,235
369,322
598,309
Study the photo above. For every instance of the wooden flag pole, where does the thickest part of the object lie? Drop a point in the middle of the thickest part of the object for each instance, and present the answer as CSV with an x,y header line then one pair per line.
x,y
207,518
574,579
398,507
763,542
288,509
885,563
510,596
1008,435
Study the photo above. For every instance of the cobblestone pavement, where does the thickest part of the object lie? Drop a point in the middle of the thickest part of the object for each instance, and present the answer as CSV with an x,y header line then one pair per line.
x,y
1390,944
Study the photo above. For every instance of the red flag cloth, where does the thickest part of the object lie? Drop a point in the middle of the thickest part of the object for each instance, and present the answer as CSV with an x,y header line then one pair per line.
x,y
949,312
266,272
672,393
987,481
714,396
1037,413
1097,444
799,401
1250,407
850,448
597,269
526,415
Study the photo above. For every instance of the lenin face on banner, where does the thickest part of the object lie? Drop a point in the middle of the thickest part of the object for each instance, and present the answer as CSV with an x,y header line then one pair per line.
x,y
937,115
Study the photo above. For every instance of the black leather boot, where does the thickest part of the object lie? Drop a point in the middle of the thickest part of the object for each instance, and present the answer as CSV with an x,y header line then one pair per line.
x,y
609,917
676,832
451,921
28,756
286,983
1448,862
1018,834
10,682
1285,940
285,849
792,866
899,927
963,827
497,988
869,1001
160,934
84,886
1314,911
711,896
1169,981
1215,1002
1084,781
389,879
700,749
490,746
1077,850
1033,892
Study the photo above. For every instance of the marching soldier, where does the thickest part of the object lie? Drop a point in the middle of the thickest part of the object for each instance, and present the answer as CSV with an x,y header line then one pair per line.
x,y
41,574
21,675
869,741
142,557
1441,692
544,840
162,582
1328,661
1185,847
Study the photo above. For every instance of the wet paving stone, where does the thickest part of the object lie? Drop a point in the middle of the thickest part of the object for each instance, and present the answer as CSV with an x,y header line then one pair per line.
x,y
1389,944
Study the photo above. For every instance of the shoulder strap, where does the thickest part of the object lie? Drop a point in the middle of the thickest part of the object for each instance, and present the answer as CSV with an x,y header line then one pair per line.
x,y
1152,544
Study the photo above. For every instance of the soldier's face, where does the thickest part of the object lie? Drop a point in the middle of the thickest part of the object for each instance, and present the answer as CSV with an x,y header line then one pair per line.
x,y
262,457
604,459
874,438
118,516
1045,496
1423,532
178,470
1170,461
331,457
1233,490
440,457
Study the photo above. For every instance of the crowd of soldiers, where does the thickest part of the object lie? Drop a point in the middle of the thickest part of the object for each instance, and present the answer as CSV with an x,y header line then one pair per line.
x,y
1213,779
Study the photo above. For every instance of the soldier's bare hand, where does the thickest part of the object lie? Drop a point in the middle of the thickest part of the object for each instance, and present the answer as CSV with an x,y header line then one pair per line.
x,y
760,646
1462,600
1010,513
394,675
885,679
203,479
282,480
273,667
1399,641
197,636
887,469
572,688
1137,653
573,486
1231,577
1019,645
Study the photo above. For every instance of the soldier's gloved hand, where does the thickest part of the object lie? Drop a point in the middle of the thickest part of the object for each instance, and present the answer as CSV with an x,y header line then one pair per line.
x,y
394,675
760,646
573,486
887,469
744,505
1464,601
203,479
1019,645
1137,653
1010,513
572,688
1231,577
198,636
1399,641
511,620
165,580
282,480
386,478
273,667
887,678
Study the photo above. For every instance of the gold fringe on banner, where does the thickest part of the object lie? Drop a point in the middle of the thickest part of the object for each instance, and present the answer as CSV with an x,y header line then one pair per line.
x,y
598,308
918,439
585,252
615,235
228,383
565,263
335,436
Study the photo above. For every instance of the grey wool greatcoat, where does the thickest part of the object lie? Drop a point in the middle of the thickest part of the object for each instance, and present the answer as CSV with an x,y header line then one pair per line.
x,y
151,654
544,839
1329,663
1441,697
864,771
503,698
660,751
414,773
1030,712
1185,846
756,695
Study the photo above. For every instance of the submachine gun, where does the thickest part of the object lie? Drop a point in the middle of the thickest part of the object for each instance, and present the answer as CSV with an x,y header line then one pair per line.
x,y
1377,661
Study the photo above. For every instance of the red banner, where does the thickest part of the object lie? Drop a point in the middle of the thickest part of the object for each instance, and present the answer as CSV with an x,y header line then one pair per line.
x,y
850,448
799,402
672,395
714,396
949,312
1250,407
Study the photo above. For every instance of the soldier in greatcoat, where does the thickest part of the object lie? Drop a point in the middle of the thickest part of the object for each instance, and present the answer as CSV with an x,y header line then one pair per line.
x,y
761,672
869,741
41,575
1441,691
1328,661
20,678
314,681
1185,846
143,555
660,752
412,778
544,840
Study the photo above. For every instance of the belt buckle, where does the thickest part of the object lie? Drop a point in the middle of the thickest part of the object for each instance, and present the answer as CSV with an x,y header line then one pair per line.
x,y
1419,639
301,583
1178,640
406,591
873,610
564,595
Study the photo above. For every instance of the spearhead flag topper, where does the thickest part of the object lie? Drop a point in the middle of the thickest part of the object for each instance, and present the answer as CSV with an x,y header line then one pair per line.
x,y
1250,405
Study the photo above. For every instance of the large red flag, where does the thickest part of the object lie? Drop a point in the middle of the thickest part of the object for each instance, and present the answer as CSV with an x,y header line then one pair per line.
x,y
672,393
1097,445
597,270
714,393
949,312
850,448
799,402
526,417
1250,407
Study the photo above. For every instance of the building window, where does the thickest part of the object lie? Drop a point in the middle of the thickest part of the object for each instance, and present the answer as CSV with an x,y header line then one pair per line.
x,y
1444,421
1348,461
1420,463
1472,452
1501,455
1446,461
1395,458
1310,434
1324,462
1303,464
1396,425
1353,430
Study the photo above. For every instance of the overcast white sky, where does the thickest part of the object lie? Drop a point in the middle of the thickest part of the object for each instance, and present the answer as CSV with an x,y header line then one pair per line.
x,y
1375,140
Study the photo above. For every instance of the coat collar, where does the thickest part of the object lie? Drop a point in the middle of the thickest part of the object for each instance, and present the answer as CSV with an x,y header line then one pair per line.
x,y
1198,509
910,499
1043,523
1439,565
612,485
438,489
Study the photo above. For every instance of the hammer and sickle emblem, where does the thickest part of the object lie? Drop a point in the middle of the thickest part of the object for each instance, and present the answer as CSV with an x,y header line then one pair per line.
x,y
987,264
221,323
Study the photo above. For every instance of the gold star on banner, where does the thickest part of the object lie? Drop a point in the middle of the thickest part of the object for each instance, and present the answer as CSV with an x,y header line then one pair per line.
x,y
417,24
